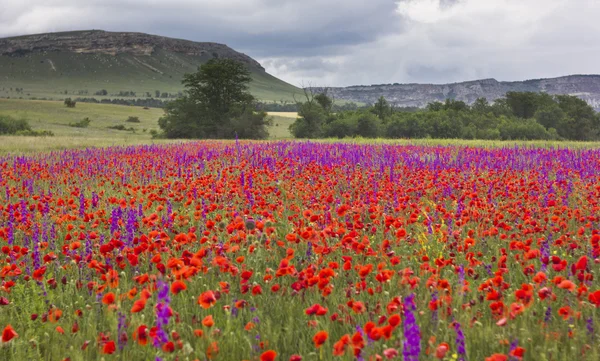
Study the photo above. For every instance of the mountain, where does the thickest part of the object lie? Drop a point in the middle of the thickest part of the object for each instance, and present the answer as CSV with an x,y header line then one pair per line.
x,y
83,63
586,87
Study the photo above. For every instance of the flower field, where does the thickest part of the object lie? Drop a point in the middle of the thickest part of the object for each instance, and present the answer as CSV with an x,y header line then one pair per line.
x,y
300,251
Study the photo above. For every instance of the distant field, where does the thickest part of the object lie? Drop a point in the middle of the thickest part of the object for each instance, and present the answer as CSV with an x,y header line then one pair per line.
x,y
292,115
54,116
281,124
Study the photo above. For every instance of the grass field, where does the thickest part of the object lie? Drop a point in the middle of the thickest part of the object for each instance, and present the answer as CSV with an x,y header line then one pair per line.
x,y
55,117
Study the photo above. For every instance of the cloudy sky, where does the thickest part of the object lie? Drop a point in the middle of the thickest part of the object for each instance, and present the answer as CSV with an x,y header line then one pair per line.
x,y
346,42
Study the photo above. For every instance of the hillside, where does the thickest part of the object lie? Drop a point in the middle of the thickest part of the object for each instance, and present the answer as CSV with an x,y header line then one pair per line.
x,y
587,87
83,63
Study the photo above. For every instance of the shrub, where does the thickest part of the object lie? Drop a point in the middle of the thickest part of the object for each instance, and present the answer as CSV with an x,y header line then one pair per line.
x,y
121,127
35,133
83,123
133,120
10,125
523,129
69,103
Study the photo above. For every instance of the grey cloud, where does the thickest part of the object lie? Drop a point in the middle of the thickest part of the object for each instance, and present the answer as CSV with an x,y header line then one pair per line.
x,y
346,42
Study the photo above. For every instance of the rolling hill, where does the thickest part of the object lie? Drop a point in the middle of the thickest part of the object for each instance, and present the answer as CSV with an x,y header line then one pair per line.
x,y
83,63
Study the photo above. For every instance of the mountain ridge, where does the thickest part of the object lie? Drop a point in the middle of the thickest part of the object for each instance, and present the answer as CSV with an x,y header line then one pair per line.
x,y
585,86
113,43
85,61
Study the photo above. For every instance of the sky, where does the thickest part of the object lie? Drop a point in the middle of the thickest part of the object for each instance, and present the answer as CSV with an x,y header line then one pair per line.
x,y
353,42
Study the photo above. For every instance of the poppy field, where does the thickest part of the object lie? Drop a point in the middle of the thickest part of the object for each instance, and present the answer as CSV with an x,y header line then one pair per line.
x,y
300,251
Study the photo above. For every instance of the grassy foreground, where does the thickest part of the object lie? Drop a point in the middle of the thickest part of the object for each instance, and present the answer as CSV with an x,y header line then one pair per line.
x,y
297,251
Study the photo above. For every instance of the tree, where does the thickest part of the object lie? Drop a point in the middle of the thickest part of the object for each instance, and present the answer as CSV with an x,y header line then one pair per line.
x,y
215,104
69,103
581,123
313,114
435,106
456,105
382,108
481,105
550,116
367,125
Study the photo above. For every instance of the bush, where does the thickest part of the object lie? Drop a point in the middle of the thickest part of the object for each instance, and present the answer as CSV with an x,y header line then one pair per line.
x,y
83,123
10,125
121,127
523,129
311,117
35,133
367,125
69,103
341,127
133,120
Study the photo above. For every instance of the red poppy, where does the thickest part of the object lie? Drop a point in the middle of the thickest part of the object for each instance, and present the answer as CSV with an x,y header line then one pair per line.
x,y
109,348
320,338
208,321
138,306
594,298
177,287
207,299
108,298
268,355
8,334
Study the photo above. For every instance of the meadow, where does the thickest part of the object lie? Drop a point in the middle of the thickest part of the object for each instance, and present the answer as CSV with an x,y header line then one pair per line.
x,y
300,251
55,117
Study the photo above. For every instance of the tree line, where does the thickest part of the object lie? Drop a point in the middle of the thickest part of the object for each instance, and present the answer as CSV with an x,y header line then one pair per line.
x,y
216,103
518,115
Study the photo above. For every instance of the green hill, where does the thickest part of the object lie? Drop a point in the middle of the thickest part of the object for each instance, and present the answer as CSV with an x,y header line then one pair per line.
x,y
83,63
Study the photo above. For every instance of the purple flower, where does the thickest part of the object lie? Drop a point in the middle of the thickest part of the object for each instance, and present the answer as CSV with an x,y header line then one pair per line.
x,y
162,314
513,346
460,342
412,333
548,315
590,326
81,205
121,331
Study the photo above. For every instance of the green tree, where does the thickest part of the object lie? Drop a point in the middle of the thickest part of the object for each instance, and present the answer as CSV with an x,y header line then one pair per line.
x,y
550,116
581,122
456,105
367,125
435,106
481,105
215,104
313,114
69,103
382,108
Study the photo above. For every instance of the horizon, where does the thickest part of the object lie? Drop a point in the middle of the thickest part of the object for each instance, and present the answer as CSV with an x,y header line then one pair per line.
x,y
335,43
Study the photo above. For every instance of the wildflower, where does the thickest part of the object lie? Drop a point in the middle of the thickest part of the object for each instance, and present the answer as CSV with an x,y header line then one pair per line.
x,y
412,334
8,334
460,342
320,338
268,355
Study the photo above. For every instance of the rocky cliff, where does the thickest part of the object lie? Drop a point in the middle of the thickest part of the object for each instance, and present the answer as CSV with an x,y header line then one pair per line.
x,y
114,43
587,87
